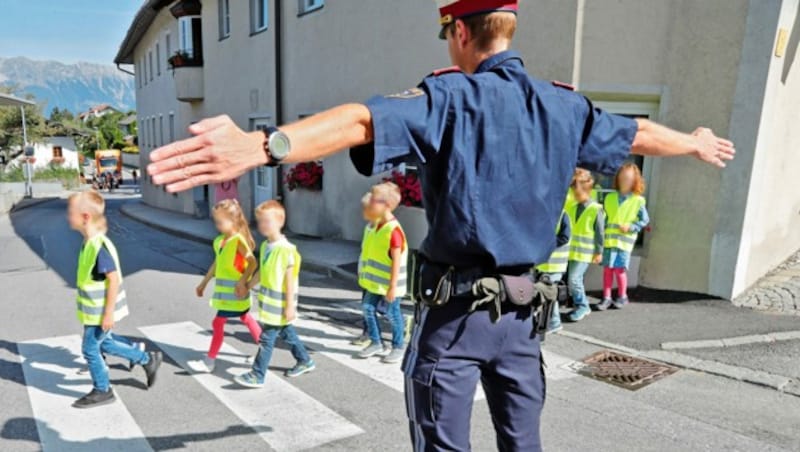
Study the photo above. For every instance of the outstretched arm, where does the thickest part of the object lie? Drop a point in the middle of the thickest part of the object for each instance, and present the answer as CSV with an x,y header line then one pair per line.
x,y
659,141
220,150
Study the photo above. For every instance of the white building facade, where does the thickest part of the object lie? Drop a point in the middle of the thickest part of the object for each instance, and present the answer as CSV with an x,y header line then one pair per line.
x,y
725,64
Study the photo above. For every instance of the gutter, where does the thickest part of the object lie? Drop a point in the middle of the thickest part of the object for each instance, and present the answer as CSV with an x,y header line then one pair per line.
x,y
125,70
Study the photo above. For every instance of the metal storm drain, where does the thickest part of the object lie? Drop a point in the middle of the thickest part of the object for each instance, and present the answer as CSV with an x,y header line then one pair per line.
x,y
623,370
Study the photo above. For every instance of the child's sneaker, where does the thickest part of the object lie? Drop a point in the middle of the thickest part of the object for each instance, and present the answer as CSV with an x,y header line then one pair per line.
x,y
552,329
394,356
373,349
205,365
361,341
95,398
300,369
151,368
579,313
140,346
604,304
620,303
248,380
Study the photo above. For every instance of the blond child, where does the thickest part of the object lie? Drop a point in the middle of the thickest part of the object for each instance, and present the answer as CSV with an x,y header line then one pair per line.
x,y
382,270
101,300
627,216
232,269
279,280
586,242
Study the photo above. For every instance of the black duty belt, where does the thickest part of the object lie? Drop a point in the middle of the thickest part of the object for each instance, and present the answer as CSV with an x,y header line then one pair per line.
x,y
438,284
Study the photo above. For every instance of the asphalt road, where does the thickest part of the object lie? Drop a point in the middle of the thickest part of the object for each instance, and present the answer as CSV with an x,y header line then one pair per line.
x,y
345,405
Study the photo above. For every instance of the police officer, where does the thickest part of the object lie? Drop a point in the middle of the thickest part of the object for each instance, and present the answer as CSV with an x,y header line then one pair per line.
x,y
497,150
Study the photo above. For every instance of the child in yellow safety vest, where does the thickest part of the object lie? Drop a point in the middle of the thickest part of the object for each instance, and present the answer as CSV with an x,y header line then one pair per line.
x,y
232,269
277,297
586,243
382,271
363,339
626,215
101,300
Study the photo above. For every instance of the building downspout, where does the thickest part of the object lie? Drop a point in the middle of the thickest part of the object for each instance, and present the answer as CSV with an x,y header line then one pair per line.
x,y
279,120
577,56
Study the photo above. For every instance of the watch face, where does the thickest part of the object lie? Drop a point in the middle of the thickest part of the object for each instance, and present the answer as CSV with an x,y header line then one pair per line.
x,y
279,146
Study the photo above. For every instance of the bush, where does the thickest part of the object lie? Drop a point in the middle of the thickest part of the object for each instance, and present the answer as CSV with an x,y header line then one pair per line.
x,y
53,173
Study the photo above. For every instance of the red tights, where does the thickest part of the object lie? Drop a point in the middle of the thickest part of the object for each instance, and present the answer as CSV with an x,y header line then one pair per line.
x,y
218,327
608,281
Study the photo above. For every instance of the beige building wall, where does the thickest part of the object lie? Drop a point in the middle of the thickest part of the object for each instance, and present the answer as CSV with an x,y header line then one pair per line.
x,y
770,228
156,99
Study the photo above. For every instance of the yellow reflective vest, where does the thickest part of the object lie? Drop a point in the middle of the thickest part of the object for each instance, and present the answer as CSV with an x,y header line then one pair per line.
x,y
91,298
375,263
618,215
557,263
581,244
275,263
226,276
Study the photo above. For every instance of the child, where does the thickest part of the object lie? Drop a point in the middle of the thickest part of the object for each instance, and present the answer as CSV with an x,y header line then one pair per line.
x,y
280,270
232,270
627,215
382,271
556,266
363,340
101,300
586,244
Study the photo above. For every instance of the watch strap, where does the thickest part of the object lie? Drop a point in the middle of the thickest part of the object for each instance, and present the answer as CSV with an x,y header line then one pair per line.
x,y
268,131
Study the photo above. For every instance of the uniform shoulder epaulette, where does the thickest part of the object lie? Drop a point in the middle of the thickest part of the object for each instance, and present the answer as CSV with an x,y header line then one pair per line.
x,y
445,70
563,85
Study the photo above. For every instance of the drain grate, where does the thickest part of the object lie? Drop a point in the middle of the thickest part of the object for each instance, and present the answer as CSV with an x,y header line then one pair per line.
x,y
623,370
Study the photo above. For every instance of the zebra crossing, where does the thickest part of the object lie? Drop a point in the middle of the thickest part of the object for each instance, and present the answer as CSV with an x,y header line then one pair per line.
x,y
50,370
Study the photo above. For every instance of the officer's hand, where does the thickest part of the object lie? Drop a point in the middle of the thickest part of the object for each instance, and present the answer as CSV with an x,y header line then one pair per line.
x,y
218,151
624,228
200,289
108,322
713,149
597,258
390,295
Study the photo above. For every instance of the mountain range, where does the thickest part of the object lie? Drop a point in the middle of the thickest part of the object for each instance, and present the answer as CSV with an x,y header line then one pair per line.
x,y
76,87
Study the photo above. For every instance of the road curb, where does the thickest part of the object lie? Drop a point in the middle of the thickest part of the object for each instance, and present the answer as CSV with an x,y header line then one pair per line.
x,y
27,204
733,341
310,264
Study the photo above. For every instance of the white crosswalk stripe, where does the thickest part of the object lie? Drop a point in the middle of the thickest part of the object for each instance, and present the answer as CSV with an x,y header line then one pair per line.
x,y
303,422
50,368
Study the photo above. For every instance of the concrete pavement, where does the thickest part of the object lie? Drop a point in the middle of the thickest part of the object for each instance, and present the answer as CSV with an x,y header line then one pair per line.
x,y
686,411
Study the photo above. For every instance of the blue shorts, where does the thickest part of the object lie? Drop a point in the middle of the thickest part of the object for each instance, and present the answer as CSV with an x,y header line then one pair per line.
x,y
232,314
616,258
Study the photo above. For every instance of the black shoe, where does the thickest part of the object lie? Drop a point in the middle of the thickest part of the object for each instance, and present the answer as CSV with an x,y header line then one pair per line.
x,y
95,398
151,368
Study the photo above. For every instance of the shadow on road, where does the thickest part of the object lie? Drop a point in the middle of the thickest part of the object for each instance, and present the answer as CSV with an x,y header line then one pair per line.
x,y
26,428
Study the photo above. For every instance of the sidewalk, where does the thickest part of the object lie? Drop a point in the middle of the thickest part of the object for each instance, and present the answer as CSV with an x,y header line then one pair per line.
x,y
329,256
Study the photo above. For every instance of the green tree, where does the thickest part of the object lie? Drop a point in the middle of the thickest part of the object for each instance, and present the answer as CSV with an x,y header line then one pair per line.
x,y
11,122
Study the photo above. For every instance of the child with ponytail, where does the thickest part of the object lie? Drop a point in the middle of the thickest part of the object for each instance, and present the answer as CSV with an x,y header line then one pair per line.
x,y
232,269
627,215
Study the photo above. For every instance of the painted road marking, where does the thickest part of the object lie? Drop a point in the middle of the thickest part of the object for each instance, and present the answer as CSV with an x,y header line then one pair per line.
x,y
285,417
50,368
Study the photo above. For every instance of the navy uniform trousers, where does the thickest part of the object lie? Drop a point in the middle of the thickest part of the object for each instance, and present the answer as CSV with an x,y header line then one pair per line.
x,y
450,351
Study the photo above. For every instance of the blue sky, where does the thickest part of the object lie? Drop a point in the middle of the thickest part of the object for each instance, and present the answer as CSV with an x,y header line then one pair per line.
x,y
65,30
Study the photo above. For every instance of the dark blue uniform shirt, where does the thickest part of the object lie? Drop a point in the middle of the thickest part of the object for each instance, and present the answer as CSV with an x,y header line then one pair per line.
x,y
497,150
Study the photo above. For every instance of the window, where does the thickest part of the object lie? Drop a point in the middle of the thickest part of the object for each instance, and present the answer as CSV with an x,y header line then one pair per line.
x,y
161,130
143,133
307,6
150,58
167,46
153,132
171,127
158,58
190,34
144,71
259,15
57,152
224,19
